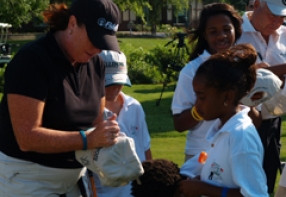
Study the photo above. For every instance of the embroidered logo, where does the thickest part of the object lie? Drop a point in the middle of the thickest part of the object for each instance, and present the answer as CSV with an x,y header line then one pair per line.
x,y
107,24
96,153
133,130
114,64
85,161
215,170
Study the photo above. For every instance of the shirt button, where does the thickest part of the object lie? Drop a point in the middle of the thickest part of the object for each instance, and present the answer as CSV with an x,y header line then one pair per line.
x,y
212,145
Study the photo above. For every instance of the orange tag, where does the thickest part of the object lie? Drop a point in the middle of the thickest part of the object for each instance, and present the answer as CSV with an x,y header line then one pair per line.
x,y
203,157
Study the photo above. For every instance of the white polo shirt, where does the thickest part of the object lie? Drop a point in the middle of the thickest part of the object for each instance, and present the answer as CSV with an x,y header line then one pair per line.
x,y
234,159
184,98
131,120
273,53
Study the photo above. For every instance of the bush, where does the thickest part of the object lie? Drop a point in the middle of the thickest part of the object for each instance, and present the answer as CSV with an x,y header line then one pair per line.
x,y
161,64
2,70
139,70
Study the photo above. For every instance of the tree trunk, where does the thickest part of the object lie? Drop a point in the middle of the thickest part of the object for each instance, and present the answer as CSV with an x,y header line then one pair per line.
x,y
153,29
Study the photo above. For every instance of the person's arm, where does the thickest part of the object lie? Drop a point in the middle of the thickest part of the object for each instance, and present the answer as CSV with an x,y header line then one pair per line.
x,y
148,154
196,188
183,100
26,117
184,120
278,69
100,117
256,117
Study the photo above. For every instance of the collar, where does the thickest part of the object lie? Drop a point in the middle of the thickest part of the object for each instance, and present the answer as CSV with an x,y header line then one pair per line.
x,y
127,100
205,55
246,25
238,119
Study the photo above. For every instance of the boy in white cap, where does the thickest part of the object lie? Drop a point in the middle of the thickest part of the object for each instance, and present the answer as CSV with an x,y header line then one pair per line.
x,y
130,115
264,30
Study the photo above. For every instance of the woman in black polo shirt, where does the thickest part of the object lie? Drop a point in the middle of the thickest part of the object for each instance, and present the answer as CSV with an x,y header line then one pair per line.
x,y
53,92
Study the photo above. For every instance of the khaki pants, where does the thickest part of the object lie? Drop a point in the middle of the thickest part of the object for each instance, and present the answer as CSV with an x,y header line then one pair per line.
x,y
28,179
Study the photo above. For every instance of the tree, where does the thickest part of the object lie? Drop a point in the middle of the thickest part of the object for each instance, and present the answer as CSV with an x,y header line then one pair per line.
x,y
17,12
136,6
154,7
237,4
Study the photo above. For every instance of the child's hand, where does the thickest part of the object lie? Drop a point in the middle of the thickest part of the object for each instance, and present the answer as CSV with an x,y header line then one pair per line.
x,y
190,188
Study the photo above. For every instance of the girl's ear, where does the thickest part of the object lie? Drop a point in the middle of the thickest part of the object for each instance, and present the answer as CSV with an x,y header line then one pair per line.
x,y
229,98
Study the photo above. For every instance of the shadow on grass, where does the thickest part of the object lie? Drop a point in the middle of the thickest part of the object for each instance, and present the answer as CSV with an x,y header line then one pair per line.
x,y
159,118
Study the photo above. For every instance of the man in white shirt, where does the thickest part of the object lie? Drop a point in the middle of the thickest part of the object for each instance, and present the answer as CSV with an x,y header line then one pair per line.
x,y
264,30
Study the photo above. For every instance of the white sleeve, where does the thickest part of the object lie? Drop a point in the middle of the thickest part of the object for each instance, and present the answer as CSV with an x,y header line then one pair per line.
x,y
249,175
184,96
246,158
192,167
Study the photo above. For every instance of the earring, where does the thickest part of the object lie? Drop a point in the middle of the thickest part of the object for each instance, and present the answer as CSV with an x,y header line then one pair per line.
x,y
225,103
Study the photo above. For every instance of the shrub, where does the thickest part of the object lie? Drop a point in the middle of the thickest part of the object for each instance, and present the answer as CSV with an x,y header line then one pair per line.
x,y
2,70
159,65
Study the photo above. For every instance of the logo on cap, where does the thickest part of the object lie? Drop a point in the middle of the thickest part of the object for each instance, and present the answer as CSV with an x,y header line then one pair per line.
x,y
107,24
284,2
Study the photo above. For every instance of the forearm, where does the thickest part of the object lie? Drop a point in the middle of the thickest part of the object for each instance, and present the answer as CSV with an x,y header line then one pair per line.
x,y
43,140
148,154
214,191
195,188
184,121
279,69
256,117
26,117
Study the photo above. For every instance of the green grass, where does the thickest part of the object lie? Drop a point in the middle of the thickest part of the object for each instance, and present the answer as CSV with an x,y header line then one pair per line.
x,y
145,43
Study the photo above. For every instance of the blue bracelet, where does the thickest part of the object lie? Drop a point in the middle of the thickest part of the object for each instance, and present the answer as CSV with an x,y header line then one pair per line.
x,y
84,139
224,192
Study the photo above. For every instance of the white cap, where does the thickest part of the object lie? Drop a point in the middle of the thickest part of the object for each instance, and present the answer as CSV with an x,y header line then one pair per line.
x,y
116,165
277,7
115,68
266,82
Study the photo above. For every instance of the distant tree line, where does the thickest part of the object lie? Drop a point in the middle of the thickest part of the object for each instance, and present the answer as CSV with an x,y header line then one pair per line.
x,y
19,12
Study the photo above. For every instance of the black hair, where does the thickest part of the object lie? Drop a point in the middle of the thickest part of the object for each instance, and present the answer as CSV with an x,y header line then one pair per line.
x,y
160,179
209,10
233,69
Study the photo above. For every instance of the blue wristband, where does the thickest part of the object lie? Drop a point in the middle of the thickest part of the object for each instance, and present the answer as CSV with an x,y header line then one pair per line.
x,y
84,139
224,192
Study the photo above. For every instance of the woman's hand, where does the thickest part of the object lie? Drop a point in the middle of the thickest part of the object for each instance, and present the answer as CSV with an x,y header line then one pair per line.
x,y
262,65
105,133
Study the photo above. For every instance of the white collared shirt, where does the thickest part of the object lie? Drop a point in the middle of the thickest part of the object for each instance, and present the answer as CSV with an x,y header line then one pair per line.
x,y
234,159
185,98
273,53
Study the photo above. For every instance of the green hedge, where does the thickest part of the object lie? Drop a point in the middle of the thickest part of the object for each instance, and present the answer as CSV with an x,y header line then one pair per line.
x,y
158,65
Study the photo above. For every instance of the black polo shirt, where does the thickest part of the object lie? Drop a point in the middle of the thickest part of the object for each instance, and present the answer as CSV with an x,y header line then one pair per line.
x,y
71,95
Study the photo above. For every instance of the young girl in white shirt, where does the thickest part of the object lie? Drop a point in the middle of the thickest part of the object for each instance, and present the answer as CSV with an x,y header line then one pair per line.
x,y
234,164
